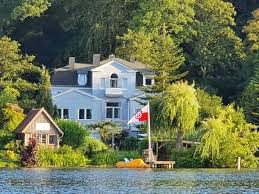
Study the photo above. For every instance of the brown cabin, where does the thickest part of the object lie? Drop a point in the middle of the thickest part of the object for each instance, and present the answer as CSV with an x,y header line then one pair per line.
x,y
39,125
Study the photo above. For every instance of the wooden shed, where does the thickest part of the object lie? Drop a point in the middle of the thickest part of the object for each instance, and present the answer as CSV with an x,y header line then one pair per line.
x,y
39,125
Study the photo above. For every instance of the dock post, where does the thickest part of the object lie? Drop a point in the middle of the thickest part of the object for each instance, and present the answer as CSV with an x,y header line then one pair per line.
x,y
239,163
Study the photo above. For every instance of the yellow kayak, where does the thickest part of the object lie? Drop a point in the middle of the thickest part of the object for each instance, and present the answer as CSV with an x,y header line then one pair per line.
x,y
137,163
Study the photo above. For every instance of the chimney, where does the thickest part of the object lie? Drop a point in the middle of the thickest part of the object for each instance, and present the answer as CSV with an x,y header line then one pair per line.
x,y
111,56
71,62
96,59
132,59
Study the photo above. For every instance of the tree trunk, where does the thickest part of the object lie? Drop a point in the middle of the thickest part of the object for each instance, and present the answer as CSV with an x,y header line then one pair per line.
x,y
179,143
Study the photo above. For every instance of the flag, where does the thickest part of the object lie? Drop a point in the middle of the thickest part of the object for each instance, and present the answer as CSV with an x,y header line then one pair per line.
x,y
142,115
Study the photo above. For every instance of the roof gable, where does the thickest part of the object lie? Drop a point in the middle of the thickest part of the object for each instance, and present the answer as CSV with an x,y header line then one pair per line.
x,y
78,91
115,64
32,116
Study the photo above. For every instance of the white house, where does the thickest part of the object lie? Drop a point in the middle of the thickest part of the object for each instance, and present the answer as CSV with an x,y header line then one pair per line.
x,y
104,90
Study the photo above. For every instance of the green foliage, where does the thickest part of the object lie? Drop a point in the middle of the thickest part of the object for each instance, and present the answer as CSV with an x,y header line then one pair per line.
x,y
91,146
11,117
74,133
9,95
110,158
130,143
228,137
252,31
62,157
179,109
187,158
15,146
106,130
30,8
9,159
249,100
209,105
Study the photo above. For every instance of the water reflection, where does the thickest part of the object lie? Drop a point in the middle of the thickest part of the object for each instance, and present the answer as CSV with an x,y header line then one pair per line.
x,y
97,180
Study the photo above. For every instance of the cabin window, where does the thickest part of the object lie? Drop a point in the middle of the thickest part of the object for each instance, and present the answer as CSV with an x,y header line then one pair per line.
x,y
112,110
85,114
40,138
114,81
53,139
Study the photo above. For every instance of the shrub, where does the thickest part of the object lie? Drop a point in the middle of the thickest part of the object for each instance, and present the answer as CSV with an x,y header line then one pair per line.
x,y
15,145
130,143
74,133
110,158
91,146
187,158
28,155
9,158
62,157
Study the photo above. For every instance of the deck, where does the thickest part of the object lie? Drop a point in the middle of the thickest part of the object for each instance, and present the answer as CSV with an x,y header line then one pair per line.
x,y
162,164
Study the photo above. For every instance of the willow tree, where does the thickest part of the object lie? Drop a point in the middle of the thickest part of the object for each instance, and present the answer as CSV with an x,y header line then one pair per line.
x,y
179,109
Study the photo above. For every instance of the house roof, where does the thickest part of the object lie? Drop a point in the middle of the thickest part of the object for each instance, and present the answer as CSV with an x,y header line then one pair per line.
x,y
68,77
31,116
78,91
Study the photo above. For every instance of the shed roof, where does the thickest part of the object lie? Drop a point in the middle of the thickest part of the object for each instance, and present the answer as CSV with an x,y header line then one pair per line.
x,y
31,116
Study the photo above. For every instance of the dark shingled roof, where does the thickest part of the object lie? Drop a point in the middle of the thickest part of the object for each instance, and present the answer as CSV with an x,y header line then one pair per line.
x,y
29,118
68,77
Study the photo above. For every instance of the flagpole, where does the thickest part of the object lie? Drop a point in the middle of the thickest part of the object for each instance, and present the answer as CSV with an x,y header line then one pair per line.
x,y
150,154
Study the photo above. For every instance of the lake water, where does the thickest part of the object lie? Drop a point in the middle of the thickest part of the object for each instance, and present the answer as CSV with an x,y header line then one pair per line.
x,y
112,180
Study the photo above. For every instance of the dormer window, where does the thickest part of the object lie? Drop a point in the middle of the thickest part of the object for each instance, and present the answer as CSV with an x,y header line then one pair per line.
x,y
82,79
114,81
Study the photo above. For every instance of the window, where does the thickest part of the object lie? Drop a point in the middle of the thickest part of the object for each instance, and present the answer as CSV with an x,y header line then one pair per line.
x,y
53,139
102,82
82,79
63,113
148,82
125,82
85,114
114,81
112,110
40,138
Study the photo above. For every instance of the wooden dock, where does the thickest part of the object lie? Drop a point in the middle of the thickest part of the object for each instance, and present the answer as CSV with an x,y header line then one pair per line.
x,y
162,164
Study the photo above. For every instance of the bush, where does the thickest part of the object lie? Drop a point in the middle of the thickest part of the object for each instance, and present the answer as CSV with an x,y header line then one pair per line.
x,y
9,158
91,146
62,157
110,158
187,158
74,133
15,145
130,143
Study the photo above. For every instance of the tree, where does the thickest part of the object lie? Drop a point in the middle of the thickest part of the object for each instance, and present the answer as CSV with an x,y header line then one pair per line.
x,y
228,137
107,130
74,133
179,109
252,31
44,95
215,54
249,100
11,116
158,52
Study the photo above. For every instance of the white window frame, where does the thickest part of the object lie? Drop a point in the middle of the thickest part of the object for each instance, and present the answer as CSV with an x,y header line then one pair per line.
x,y
62,113
113,108
85,114
144,80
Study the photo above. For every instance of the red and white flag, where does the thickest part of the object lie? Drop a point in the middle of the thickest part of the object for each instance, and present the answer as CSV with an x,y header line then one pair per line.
x,y
141,116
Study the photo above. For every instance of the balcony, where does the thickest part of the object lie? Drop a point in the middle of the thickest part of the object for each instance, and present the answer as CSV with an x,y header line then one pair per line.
x,y
114,92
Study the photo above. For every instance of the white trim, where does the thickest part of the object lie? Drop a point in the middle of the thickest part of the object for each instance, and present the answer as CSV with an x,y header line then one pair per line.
x,y
78,91
109,63
113,107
